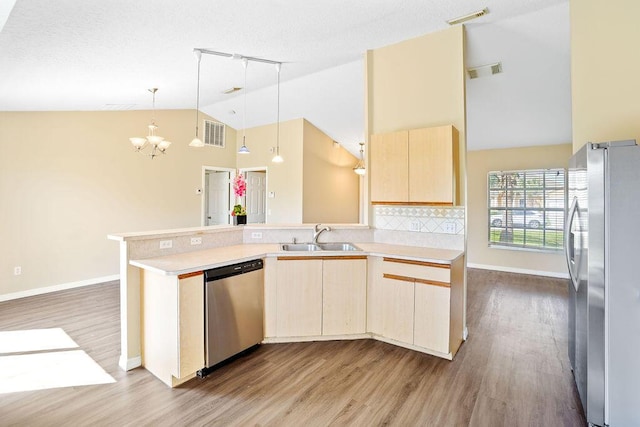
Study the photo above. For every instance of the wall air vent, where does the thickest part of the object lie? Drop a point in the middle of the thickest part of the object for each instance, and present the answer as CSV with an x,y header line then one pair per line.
x,y
213,134
484,70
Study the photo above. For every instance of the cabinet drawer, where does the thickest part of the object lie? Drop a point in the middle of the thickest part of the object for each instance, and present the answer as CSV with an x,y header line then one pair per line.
x,y
431,272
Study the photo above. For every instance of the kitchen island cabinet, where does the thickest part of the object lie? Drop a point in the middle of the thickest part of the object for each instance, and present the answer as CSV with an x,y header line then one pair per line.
x,y
318,296
298,297
172,316
339,298
344,295
416,304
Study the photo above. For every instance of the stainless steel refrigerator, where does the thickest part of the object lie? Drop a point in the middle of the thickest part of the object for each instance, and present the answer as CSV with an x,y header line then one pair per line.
x,y
602,246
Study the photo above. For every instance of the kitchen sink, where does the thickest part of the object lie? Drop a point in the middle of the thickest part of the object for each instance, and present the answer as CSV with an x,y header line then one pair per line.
x,y
300,247
338,247
310,247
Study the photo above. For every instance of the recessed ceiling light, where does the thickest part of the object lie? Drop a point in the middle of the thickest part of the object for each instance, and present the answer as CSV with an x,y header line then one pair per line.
x,y
484,70
468,17
231,90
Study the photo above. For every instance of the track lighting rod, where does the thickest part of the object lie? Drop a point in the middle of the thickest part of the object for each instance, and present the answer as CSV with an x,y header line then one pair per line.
x,y
235,56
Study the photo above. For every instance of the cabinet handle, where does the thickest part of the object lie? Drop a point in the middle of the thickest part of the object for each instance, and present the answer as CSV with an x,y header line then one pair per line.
x,y
434,283
420,263
187,275
396,277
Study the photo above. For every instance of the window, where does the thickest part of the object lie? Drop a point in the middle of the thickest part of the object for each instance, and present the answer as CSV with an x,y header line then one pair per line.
x,y
526,209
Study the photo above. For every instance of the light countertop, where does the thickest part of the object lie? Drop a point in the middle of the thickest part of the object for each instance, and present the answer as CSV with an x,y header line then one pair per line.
x,y
189,262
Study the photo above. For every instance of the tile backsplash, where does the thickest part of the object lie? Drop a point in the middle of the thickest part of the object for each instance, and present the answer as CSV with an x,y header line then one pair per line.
x,y
423,219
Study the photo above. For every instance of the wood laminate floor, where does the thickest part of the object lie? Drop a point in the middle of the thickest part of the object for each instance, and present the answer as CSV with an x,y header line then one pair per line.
x,y
512,371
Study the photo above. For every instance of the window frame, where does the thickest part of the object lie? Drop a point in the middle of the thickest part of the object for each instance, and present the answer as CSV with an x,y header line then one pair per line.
x,y
548,235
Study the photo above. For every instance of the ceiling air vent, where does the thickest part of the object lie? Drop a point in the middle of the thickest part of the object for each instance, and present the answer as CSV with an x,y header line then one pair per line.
x,y
484,70
213,134
468,17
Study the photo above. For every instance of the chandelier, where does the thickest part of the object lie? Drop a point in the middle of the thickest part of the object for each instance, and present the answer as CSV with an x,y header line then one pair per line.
x,y
157,143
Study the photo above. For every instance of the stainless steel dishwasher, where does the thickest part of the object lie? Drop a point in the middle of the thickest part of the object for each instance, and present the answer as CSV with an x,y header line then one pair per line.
x,y
234,306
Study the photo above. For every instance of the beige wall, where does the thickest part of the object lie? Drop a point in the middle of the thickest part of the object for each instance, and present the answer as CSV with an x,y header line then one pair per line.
x,y
312,184
67,179
605,66
330,187
418,83
284,179
479,163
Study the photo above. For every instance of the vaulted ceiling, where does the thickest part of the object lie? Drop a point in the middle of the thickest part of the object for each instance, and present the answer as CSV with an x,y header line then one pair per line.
x,y
90,55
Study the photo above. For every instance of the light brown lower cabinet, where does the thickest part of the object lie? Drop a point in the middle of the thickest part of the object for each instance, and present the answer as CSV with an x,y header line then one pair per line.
x,y
172,337
317,296
417,303
344,296
298,297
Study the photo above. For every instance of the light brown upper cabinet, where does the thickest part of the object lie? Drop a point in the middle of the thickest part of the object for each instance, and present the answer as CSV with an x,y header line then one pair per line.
x,y
388,167
418,166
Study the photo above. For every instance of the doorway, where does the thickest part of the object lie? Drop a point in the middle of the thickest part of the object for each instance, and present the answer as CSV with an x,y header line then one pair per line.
x,y
217,195
256,196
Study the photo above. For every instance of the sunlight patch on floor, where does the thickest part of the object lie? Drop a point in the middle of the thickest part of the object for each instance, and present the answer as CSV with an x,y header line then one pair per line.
x,y
35,340
48,363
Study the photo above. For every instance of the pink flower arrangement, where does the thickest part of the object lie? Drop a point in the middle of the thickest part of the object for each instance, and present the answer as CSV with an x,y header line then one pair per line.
x,y
239,185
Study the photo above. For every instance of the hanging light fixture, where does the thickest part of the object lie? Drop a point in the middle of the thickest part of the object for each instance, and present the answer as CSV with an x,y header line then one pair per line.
x,y
197,142
244,149
360,169
278,158
157,143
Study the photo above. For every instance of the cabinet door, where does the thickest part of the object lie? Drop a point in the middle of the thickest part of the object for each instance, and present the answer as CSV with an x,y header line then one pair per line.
x,y
396,308
191,323
388,167
299,297
344,296
433,160
432,313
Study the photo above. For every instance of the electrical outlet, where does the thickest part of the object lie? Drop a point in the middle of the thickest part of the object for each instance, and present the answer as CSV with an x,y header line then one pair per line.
x,y
256,235
449,227
196,240
17,271
415,225
166,244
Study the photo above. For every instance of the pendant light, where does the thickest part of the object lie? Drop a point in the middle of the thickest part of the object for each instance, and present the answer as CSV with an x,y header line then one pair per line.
x,y
278,158
360,169
157,143
244,149
197,142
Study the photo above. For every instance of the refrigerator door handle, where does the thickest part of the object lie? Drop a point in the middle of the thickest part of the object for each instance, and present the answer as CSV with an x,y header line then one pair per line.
x,y
569,244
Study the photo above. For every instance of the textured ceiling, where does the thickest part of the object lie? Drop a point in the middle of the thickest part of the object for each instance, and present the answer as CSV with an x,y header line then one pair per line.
x,y
91,55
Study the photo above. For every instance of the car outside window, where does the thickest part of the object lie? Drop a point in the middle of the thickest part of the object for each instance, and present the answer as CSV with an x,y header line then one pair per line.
x,y
526,208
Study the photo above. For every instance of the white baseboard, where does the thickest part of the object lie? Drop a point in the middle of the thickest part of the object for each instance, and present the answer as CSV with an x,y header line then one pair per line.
x,y
520,270
61,287
127,364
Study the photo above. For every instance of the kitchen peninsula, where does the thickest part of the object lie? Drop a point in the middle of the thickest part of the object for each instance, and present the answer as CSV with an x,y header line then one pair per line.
x,y
409,296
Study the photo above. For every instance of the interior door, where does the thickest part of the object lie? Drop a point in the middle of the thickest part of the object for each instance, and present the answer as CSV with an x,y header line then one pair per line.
x,y
217,194
256,197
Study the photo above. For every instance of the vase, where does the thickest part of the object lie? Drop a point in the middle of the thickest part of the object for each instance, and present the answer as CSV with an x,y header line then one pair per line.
x,y
239,219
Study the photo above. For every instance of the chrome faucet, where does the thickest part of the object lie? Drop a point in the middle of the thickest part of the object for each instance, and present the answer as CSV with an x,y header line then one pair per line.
x,y
317,231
